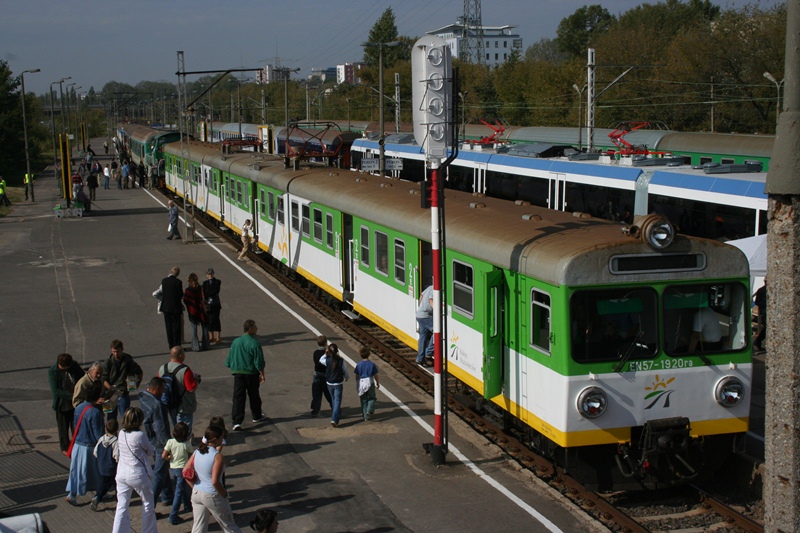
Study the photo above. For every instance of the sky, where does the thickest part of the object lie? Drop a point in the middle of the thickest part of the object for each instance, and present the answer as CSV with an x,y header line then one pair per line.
x,y
128,41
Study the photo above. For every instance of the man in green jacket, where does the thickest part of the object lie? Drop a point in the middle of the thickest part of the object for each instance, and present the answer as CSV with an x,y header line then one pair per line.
x,y
246,361
63,376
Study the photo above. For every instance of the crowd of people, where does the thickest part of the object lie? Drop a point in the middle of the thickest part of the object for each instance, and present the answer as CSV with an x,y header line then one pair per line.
x,y
151,452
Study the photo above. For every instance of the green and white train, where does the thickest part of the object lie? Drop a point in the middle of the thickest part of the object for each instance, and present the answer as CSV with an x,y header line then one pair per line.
x,y
578,328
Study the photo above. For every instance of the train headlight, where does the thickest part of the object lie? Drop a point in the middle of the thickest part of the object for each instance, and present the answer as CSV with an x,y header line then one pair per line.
x,y
592,402
729,391
655,230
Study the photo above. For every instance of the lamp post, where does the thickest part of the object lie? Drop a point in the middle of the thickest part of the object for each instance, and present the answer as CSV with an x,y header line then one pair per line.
x,y
778,84
28,179
53,118
382,139
77,116
463,97
580,103
69,110
348,114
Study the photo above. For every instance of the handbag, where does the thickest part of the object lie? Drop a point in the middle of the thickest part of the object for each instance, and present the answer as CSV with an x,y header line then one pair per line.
x,y
75,433
188,471
169,228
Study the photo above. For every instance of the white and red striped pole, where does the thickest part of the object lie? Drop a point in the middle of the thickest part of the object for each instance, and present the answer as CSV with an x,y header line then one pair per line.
x,y
438,450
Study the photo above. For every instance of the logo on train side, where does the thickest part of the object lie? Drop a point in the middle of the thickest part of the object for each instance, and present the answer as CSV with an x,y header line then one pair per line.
x,y
658,392
454,350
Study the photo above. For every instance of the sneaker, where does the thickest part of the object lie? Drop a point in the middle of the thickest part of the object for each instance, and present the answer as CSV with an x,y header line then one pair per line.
x,y
237,427
334,424
368,417
177,520
260,418
94,504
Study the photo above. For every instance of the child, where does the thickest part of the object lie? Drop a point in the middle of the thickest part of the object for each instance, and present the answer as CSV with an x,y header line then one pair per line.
x,y
107,453
219,422
367,380
177,450
318,386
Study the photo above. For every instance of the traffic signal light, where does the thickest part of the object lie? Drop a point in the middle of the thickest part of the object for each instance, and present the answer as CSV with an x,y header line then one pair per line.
x,y
432,95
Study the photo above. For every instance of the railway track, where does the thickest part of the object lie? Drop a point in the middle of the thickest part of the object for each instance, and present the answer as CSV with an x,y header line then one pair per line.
x,y
688,508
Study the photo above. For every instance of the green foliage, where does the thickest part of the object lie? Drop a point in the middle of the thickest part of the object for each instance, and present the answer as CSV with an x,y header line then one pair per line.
x,y
576,32
385,31
545,50
12,145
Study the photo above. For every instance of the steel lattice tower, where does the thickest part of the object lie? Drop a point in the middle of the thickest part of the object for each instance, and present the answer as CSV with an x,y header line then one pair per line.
x,y
472,49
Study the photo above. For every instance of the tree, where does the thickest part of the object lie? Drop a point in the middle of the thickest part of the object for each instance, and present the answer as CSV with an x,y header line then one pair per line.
x,y
12,145
576,32
384,31
545,50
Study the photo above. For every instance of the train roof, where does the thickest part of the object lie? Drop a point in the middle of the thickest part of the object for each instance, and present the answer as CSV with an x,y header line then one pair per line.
x,y
146,134
557,247
719,143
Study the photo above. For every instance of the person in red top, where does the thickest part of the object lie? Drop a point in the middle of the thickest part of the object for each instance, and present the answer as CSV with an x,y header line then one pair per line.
x,y
77,182
186,382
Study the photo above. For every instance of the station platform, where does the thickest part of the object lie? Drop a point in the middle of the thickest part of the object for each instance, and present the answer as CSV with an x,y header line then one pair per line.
x,y
73,284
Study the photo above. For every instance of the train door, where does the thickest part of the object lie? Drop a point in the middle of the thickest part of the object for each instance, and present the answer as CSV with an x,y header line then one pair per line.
x,y
300,224
493,371
349,262
557,198
479,178
224,195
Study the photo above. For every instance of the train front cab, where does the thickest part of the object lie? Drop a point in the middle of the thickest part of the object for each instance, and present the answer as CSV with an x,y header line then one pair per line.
x,y
668,415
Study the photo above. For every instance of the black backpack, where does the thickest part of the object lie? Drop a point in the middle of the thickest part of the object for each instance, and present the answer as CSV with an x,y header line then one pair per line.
x,y
171,397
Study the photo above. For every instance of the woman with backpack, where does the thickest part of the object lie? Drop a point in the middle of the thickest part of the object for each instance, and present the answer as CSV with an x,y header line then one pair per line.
x,y
335,376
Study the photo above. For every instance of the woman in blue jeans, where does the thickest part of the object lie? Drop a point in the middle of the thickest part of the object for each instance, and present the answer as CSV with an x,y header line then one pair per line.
x,y
335,376
209,495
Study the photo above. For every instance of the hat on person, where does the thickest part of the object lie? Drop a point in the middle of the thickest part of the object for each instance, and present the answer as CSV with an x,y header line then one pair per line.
x,y
210,271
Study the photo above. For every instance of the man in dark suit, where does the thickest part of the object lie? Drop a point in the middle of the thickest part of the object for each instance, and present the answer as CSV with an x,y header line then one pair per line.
x,y
171,305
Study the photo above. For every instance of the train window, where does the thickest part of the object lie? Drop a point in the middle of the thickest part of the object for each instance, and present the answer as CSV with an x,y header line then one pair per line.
x,y
261,201
281,212
708,318
305,221
239,187
206,180
365,246
382,253
614,324
400,261
463,289
271,205
329,230
704,160
540,320
727,161
295,216
318,225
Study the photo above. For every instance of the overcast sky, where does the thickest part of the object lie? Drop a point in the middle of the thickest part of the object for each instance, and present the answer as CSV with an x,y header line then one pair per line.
x,y
129,41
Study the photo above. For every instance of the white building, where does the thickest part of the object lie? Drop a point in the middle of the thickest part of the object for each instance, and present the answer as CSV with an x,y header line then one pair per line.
x,y
270,74
349,73
498,41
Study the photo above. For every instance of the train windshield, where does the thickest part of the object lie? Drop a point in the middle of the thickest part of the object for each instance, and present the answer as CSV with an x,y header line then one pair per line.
x,y
612,324
705,319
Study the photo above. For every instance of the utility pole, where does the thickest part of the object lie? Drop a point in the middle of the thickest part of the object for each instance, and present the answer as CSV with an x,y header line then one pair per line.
x,y
782,384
